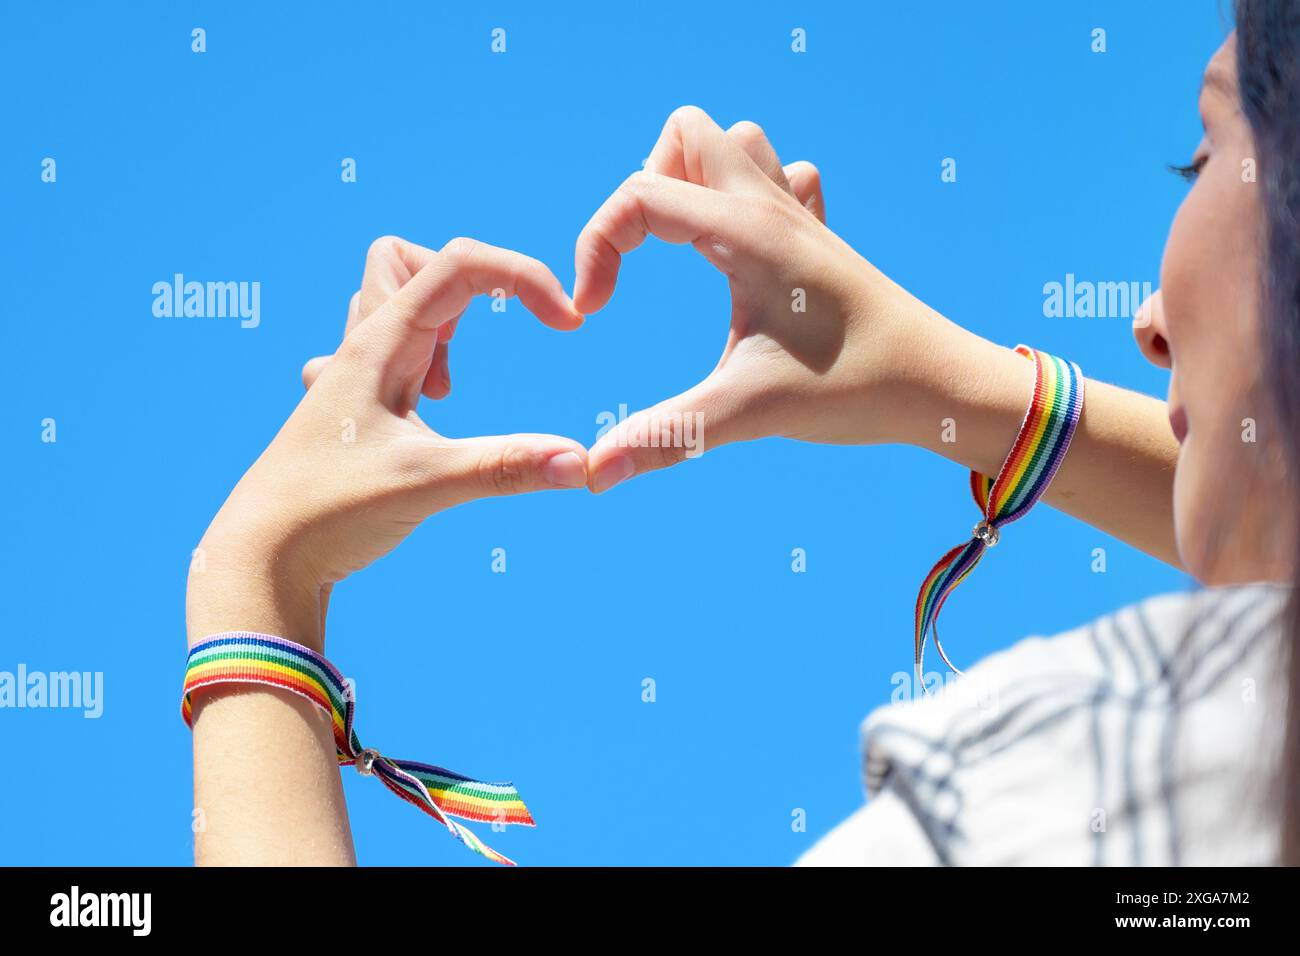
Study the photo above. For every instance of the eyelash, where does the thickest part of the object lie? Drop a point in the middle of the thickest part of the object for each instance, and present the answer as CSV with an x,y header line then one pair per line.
x,y
1190,171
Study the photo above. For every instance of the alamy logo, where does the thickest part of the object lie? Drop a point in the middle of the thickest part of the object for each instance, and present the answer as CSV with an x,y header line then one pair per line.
x,y
58,689
1084,299
683,430
212,300
75,908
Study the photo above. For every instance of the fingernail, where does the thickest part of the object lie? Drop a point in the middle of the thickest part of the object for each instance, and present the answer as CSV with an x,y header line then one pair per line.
x,y
566,470
613,471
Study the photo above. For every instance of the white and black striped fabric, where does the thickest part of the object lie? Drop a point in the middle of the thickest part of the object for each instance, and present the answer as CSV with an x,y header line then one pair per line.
x,y
1148,737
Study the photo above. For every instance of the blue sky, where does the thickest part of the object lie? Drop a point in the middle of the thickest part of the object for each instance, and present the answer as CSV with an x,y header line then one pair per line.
x,y
225,165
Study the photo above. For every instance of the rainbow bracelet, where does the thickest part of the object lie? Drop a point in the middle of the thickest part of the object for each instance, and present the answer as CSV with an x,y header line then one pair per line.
x,y
241,657
1041,445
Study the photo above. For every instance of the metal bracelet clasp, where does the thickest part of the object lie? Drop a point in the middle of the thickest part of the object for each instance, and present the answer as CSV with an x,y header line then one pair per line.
x,y
365,762
986,533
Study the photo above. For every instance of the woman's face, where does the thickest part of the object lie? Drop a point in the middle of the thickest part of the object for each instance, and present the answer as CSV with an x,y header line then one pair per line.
x,y
1204,326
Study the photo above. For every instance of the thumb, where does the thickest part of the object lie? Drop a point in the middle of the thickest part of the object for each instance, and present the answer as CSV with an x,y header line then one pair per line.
x,y
484,467
679,428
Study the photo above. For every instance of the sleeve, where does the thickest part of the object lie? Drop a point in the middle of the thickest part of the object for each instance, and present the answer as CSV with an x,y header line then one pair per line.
x,y
1117,743
886,832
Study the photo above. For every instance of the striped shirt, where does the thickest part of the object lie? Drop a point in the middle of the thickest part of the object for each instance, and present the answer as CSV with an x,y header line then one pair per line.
x,y
1148,737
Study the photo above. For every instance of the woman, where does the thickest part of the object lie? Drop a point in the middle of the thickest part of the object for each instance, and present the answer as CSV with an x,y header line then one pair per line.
x,y
864,362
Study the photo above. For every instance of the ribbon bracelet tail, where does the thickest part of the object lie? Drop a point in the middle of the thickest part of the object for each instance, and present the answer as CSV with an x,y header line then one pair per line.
x,y
413,790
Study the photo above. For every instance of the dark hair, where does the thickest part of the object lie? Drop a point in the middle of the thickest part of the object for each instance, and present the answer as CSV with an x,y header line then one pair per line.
x,y
1268,75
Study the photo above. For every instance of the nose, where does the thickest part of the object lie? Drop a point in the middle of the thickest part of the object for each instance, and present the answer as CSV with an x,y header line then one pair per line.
x,y
1150,331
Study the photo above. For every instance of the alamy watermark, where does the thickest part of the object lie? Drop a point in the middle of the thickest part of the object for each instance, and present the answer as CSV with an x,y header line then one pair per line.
x,y
211,300
1085,299
683,430
969,691
72,690
75,908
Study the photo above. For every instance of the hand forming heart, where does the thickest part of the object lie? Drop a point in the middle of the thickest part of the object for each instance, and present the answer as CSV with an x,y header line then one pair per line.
x,y
819,338
817,350
354,470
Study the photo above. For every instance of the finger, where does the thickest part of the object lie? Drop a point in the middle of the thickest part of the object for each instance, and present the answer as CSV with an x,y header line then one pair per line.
x,y
650,204
437,382
751,138
671,432
311,371
799,179
467,469
692,147
401,338
447,331
391,262
464,268
354,311
806,184
313,367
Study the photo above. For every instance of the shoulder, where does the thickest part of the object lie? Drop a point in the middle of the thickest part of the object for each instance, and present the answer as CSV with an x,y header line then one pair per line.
x,y
1041,750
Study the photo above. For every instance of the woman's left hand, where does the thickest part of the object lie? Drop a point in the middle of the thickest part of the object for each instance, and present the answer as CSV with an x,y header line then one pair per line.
x,y
354,469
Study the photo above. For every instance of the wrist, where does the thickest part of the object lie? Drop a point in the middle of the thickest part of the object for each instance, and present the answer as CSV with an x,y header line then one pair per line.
x,y
920,379
241,583
965,397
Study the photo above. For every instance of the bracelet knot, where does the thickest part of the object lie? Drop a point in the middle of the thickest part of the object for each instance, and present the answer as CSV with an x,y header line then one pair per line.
x,y
245,657
365,762
1041,444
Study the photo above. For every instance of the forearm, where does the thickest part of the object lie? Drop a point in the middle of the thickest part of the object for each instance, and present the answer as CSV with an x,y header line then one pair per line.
x,y
267,789
970,400
318,506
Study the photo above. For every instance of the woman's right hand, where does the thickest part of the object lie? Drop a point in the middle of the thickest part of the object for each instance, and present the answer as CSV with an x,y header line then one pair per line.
x,y
822,346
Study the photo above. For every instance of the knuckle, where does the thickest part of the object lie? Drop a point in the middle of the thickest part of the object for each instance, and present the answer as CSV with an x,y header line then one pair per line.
x,y
382,247
688,115
665,456
626,203
636,186
460,250
519,266
662,438
810,173
748,131
505,470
